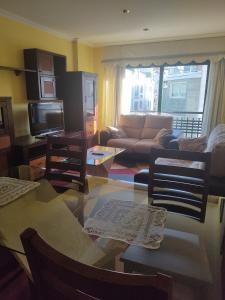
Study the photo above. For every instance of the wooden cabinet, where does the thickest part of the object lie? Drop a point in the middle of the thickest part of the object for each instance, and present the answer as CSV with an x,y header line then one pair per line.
x,y
42,84
6,132
45,63
79,93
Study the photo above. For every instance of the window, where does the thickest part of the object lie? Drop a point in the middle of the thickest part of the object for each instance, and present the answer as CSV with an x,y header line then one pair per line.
x,y
179,90
141,87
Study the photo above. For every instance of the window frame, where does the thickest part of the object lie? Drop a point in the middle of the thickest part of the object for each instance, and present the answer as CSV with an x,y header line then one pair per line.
x,y
161,72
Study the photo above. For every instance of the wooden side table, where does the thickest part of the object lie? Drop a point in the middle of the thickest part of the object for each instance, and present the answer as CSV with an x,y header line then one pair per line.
x,y
28,150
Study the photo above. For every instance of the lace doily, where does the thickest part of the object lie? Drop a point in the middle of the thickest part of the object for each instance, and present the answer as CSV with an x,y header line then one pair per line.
x,y
128,221
11,188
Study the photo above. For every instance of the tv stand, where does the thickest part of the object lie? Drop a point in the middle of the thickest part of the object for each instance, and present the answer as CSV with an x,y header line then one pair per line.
x,y
27,148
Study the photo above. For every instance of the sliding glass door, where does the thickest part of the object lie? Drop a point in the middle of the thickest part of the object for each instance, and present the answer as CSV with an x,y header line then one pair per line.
x,y
179,90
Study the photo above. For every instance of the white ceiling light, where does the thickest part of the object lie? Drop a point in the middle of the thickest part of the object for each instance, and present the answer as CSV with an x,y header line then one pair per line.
x,y
126,11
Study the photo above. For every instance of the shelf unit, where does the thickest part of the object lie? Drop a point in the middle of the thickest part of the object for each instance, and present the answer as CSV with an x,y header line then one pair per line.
x,y
49,67
17,71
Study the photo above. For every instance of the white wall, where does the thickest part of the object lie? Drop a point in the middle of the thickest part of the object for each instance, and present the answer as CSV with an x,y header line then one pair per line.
x,y
201,46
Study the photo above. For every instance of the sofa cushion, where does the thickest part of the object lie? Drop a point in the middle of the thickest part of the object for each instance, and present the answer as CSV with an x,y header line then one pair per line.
x,y
132,125
145,146
127,143
193,144
216,145
116,133
161,135
153,124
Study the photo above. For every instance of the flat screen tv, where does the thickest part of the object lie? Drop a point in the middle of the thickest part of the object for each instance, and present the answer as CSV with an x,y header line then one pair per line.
x,y
45,117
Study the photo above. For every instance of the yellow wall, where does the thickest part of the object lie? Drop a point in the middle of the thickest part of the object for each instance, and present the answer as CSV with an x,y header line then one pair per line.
x,y
14,37
98,68
89,60
85,58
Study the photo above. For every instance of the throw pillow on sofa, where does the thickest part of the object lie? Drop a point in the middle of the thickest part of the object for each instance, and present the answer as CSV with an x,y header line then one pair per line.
x,y
160,136
193,144
116,133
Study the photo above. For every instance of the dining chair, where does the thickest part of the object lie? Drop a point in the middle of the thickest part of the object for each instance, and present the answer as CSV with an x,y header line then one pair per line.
x,y
66,162
59,277
179,181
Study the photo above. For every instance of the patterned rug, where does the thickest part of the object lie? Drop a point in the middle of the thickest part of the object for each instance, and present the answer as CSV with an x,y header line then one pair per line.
x,y
124,171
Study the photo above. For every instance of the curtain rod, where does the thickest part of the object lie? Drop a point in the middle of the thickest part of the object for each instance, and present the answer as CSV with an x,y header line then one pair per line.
x,y
163,57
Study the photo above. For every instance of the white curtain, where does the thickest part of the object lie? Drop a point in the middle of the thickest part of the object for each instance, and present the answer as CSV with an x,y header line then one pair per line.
x,y
120,75
108,97
112,94
214,112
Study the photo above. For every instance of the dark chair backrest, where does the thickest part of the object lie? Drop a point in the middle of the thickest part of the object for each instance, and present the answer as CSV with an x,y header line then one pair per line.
x,y
179,188
66,161
59,277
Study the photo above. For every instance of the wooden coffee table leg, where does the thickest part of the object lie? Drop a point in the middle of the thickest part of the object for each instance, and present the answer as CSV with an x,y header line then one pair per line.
x,y
100,170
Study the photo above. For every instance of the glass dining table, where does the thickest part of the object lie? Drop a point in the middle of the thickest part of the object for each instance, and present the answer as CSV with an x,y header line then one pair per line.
x,y
58,218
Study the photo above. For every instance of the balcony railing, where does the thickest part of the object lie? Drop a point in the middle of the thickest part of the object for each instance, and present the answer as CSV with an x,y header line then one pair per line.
x,y
189,122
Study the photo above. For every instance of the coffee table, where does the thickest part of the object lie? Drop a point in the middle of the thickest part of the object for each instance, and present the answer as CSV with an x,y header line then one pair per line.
x,y
100,159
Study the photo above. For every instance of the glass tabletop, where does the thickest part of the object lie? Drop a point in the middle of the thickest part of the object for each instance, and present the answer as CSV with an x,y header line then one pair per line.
x,y
97,155
58,220
55,217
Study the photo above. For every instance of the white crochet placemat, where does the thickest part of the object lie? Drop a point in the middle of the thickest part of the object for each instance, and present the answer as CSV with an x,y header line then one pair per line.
x,y
128,221
11,189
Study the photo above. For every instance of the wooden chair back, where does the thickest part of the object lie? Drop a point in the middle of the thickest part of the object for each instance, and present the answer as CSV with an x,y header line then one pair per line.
x,y
59,277
66,161
179,188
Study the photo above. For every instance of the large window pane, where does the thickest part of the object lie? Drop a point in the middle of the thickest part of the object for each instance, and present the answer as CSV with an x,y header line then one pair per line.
x,y
141,89
183,95
179,90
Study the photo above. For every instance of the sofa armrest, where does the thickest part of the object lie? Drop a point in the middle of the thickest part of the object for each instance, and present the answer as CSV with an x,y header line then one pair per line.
x,y
105,135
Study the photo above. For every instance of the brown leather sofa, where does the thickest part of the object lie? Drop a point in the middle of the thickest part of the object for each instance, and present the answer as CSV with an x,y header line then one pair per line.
x,y
138,134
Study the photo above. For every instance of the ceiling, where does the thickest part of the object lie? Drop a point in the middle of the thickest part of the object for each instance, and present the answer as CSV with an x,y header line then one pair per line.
x,y
102,22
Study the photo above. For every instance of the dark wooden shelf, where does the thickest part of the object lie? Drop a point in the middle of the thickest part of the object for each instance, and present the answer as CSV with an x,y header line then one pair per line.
x,y
17,71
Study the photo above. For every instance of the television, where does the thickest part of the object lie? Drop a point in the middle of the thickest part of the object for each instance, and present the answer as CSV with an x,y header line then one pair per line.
x,y
45,117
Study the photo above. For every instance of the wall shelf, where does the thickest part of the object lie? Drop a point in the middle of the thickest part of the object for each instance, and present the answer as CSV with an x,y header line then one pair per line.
x,y
17,71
